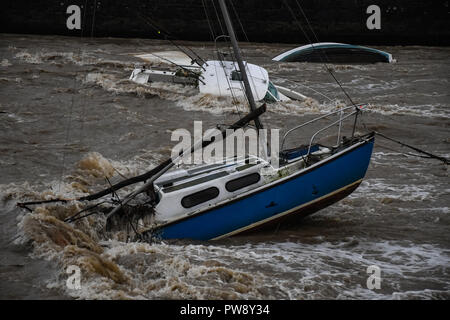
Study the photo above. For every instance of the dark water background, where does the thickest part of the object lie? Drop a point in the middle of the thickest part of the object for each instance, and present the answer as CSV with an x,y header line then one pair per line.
x,y
69,116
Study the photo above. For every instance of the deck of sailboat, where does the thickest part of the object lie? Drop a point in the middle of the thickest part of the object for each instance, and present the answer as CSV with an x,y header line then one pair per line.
x,y
181,179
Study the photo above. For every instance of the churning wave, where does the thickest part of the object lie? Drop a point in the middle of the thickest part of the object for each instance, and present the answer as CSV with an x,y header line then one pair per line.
x,y
114,268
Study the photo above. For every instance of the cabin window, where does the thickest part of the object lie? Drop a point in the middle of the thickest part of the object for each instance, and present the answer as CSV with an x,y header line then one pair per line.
x,y
192,182
242,182
199,197
236,76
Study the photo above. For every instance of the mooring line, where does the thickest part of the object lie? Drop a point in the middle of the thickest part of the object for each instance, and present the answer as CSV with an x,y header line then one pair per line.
x,y
430,155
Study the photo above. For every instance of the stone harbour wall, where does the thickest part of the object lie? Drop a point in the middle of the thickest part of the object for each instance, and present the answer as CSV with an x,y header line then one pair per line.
x,y
402,22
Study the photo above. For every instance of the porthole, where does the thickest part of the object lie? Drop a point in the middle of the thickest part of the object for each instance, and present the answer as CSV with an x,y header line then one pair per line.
x,y
199,197
242,182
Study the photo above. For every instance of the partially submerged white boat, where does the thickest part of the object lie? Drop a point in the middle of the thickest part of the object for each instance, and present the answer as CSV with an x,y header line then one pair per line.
x,y
215,77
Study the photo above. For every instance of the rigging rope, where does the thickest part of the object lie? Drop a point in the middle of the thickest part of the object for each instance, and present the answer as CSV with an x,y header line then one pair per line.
x,y
218,18
233,58
429,155
305,86
213,36
239,20
234,98
245,36
312,45
169,37
196,75
93,19
83,105
247,39
72,97
66,139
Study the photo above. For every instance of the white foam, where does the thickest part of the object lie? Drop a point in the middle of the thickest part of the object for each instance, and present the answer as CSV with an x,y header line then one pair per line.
x,y
427,110
5,63
282,270
382,189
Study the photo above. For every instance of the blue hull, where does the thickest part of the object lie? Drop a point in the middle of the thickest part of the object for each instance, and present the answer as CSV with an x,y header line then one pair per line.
x,y
307,191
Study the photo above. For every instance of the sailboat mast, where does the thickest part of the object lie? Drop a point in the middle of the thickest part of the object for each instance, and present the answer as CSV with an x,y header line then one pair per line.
x,y
237,54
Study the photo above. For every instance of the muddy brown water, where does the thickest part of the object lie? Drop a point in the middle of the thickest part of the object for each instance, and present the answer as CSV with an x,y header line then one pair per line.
x,y
69,116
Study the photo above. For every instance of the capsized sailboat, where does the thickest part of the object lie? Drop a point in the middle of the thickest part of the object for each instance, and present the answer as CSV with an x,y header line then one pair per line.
x,y
239,194
334,53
